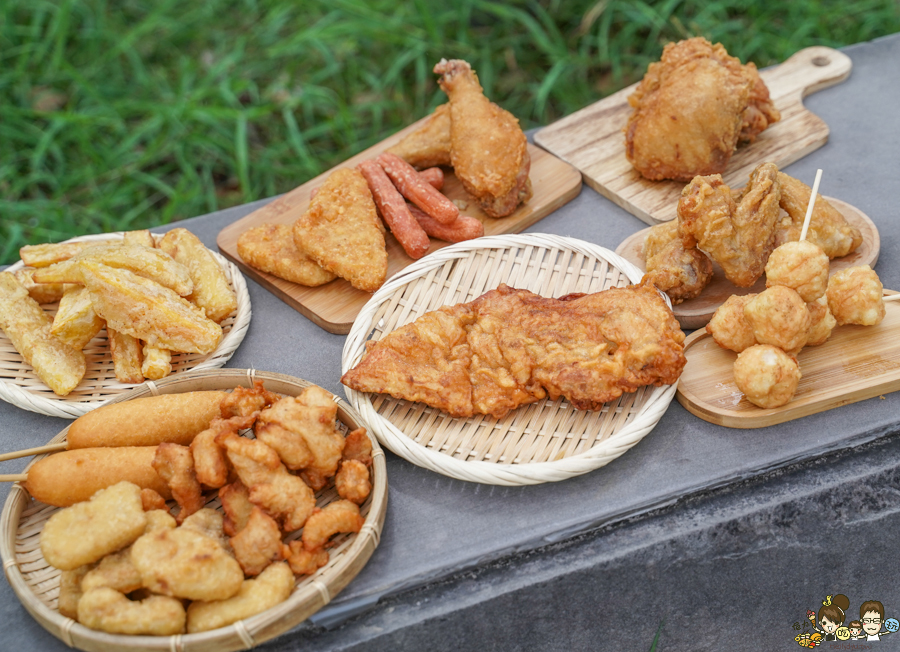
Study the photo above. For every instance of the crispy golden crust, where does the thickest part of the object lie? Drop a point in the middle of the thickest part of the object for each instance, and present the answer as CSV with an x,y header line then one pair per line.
x,y
801,266
271,248
680,272
822,322
766,375
175,464
429,145
728,326
352,481
40,292
341,516
127,356
157,362
258,544
855,296
779,317
235,499
107,610
210,462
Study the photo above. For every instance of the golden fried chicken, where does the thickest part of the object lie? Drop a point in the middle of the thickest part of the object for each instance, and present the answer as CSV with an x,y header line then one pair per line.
x,y
210,462
358,446
352,481
258,544
429,145
303,561
511,347
488,148
337,517
210,523
150,500
247,401
175,465
271,248
235,499
680,272
691,110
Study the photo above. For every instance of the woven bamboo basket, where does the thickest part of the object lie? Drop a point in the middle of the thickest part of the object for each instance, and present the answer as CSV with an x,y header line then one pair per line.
x,y
546,441
37,584
20,386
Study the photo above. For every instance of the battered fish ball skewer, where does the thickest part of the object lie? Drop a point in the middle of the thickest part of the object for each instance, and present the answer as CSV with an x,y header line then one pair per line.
x,y
822,322
766,375
779,317
801,266
728,326
855,296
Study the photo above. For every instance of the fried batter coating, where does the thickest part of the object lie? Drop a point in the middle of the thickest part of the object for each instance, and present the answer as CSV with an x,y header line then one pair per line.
x,y
151,500
339,516
739,235
801,266
779,317
235,499
512,347
691,110
115,571
258,544
175,464
210,462
70,590
680,272
271,587
246,401
358,446
40,292
157,363
728,326
340,231
822,322
352,481
304,562
488,148
209,523
109,611
186,564
285,497
76,323
44,255
271,248
429,145
855,296
766,375
88,531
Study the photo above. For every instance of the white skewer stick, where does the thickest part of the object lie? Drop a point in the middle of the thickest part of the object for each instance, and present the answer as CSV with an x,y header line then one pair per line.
x,y
891,297
812,202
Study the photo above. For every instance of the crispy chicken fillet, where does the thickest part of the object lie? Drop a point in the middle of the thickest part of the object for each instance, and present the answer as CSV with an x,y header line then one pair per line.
x,y
680,272
512,347
488,149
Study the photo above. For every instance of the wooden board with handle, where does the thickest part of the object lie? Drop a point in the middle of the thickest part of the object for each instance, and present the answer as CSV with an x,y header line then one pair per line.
x,y
856,363
334,306
592,140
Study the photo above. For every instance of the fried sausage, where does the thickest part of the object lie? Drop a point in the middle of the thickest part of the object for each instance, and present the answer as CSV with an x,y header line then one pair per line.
x,y
418,190
464,228
394,212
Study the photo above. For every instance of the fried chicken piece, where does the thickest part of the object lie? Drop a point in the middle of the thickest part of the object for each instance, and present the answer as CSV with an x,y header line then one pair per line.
x,y
115,571
358,446
488,149
691,109
827,226
175,465
271,248
334,518
246,401
210,462
258,544
340,231
739,235
680,272
210,524
511,347
150,500
110,611
235,499
429,145
352,481
303,561
302,430
285,497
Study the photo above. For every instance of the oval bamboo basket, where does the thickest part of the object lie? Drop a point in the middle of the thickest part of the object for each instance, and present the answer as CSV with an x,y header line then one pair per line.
x,y
37,584
20,386
545,441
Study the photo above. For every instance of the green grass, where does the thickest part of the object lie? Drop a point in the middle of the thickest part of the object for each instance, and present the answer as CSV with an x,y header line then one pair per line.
x,y
129,113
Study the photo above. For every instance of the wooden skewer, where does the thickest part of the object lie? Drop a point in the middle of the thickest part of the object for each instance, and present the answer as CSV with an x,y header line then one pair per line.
x,y
809,207
49,448
14,477
891,297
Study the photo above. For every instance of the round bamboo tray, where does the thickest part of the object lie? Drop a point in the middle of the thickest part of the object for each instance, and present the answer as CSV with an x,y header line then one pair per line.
x,y
545,441
20,386
37,584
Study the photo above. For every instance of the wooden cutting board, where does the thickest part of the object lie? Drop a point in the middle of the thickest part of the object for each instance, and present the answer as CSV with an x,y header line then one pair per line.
x,y
592,140
856,363
334,306
695,313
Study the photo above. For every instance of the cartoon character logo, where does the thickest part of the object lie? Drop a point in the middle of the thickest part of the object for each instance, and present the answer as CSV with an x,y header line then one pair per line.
x,y
829,623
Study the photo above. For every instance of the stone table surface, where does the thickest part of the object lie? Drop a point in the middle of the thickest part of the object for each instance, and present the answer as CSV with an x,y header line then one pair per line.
x,y
700,535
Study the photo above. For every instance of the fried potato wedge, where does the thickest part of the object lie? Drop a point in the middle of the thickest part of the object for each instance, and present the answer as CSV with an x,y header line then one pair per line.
x,y
148,311
126,355
157,362
76,323
142,237
40,292
43,255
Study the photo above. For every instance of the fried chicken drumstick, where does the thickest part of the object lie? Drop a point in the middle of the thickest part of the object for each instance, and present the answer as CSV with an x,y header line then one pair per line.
x,y
511,347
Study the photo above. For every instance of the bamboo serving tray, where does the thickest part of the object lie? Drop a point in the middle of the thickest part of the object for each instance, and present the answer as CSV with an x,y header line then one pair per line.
x,y
335,305
696,313
856,363
592,140
37,584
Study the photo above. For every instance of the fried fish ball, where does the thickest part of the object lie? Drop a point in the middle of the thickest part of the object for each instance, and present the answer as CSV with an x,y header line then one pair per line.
x,y
766,375
186,564
822,322
855,296
339,516
728,326
235,499
110,611
303,561
258,544
70,590
271,248
352,481
86,532
175,464
271,587
801,266
779,317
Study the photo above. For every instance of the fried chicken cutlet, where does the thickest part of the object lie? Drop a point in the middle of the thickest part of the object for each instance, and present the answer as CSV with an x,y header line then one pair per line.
x,y
512,347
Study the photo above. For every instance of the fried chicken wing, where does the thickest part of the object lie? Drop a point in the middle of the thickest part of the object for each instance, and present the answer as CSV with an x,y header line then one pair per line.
x,y
488,149
258,544
175,465
512,347
680,272
429,145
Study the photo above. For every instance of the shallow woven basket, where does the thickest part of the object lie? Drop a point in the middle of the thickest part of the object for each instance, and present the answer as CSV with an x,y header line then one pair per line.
x,y
20,386
545,441
37,584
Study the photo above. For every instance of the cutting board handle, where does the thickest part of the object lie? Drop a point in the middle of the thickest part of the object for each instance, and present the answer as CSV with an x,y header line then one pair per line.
x,y
807,71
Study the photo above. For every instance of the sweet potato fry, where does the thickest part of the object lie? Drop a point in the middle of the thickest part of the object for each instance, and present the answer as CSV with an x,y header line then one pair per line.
x,y
126,355
40,292
76,323
418,191
142,237
157,362
394,212
464,228
43,255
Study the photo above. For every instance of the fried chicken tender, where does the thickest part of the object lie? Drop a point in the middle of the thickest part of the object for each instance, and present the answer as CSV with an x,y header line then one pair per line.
x,y
739,235
766,375
271,587
70,591
728,326
801,266
337,517
358,446
209,523
210,462
429,145
235,499
352,481
285,497
512,347
175,465
855,296
779,317
271,248
303,561
110,611
340,231
88,531
822,322
691,110
258,544
488,149
680,272
186,564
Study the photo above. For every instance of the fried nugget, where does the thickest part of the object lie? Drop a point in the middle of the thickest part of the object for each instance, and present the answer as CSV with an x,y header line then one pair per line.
x,y
115,571
175,464
429,145
258,544
358,446
110,611
244,401
352,481
210,462
340,231
304,562
336,517
70,590
235,499
209,523
271,248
